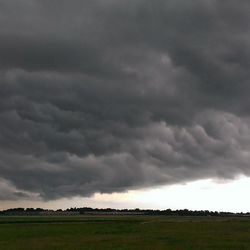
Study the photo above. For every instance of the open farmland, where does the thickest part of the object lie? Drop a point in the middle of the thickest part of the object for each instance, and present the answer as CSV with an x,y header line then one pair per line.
x,y
120,232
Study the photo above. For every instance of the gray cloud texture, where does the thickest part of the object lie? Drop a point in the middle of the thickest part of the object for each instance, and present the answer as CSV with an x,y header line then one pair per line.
x,y
105,96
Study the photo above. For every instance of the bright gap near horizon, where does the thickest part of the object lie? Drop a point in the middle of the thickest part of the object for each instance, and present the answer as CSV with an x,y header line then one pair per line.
x,y
207,194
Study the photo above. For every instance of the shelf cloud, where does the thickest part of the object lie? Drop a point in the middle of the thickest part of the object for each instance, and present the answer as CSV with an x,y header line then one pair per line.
x,y
107,96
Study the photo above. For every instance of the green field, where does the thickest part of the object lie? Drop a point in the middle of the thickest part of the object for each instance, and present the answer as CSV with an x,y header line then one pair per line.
x,y
123,232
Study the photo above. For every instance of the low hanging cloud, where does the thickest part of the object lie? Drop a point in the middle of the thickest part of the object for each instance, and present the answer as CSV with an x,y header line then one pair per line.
x,y
107,96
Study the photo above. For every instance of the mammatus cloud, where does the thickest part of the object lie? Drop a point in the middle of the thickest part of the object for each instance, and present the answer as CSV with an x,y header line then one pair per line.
x,y
105,96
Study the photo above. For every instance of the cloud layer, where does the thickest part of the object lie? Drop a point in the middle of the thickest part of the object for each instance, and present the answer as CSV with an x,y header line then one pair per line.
x,y
105,96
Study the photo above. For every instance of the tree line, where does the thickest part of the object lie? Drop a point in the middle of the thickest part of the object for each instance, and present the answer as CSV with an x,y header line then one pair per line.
x,y
136,211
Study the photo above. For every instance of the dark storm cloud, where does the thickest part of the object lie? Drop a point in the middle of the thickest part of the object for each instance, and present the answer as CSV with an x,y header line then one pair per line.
x,y
104,96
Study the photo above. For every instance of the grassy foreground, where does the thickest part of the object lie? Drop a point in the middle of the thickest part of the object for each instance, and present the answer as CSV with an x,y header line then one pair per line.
x,y
119,232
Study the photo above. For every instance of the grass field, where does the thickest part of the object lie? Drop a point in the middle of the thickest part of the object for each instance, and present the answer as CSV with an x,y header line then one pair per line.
x,y
120,232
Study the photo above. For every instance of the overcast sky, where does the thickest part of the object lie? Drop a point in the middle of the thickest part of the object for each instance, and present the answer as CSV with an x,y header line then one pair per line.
x,y
103,96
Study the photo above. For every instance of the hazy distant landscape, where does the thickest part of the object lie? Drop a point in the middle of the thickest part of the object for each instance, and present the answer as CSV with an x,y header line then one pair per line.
x,y
111,211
